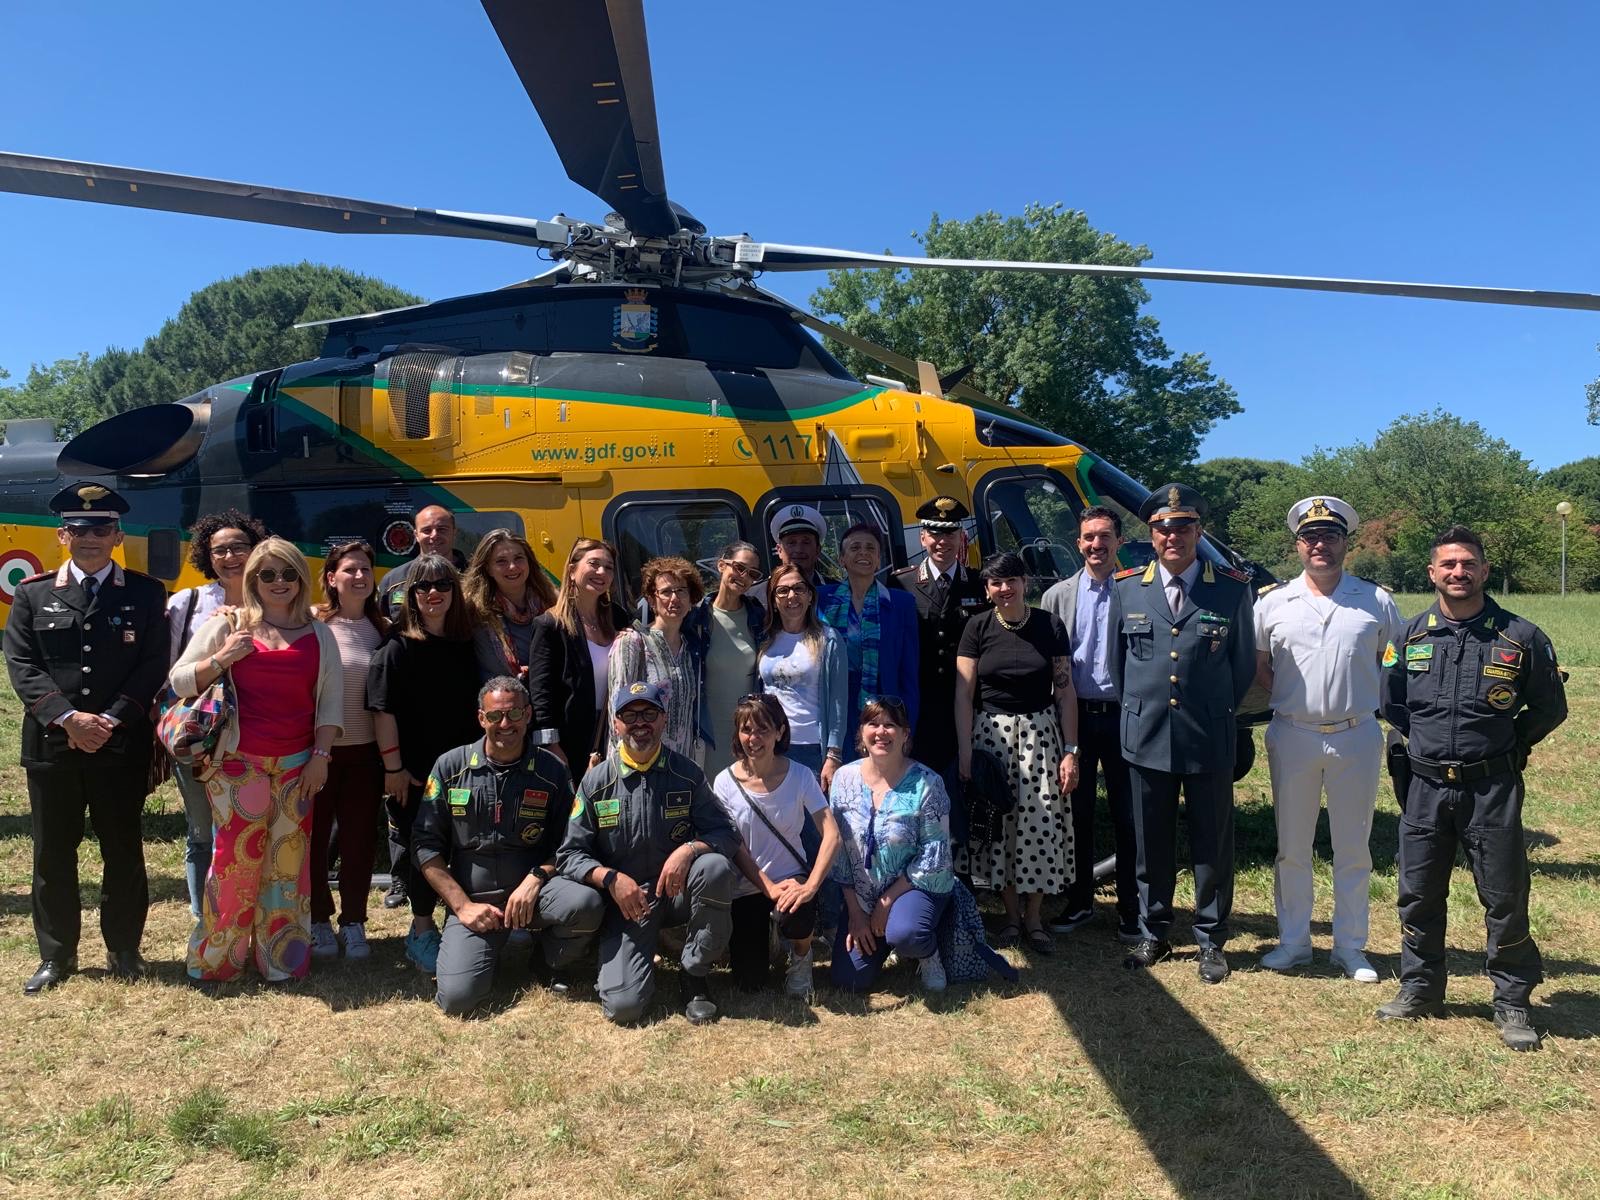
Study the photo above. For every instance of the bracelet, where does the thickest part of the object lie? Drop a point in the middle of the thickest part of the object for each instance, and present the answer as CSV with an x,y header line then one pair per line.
x,y
216,666
319,752
385,751
835,756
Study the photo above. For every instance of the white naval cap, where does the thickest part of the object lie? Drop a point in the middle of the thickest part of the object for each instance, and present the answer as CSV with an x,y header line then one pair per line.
x,y
797,518
1316,511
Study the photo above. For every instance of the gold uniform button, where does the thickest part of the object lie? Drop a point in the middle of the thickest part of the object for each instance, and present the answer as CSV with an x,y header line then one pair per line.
x,y
1174,654
1173,702
1174,631
1172,678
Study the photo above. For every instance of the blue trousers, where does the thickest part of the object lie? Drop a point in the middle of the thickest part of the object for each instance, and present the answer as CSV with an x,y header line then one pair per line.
x,y
201,834
912,932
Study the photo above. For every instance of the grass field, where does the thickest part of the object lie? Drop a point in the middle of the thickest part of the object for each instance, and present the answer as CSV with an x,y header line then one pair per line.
x,y
1079,1081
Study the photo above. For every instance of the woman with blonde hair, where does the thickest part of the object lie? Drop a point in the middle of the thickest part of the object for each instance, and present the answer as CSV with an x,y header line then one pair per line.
x,y
803,664
272,760
664,651
353,796
506,590
569,655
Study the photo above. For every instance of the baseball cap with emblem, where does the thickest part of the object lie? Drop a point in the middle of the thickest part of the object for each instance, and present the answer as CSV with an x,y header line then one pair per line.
x,y
798,518
942,514
84,504
636,693
1322,512
1173,504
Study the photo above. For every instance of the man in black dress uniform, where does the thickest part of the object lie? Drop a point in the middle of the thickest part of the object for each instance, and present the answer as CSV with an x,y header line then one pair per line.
x,y
1182,657
87,649
947,593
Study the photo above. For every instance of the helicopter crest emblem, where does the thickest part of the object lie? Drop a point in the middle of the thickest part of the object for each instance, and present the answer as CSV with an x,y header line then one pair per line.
x,y
633,325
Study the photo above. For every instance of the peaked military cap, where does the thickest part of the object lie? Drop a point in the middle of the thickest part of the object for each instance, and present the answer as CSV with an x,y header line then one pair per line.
x,y
1322,512
1173,502
942,514
83,504
797,518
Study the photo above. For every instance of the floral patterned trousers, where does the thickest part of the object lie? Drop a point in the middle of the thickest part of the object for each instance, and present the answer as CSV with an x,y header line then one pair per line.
x,y
258,892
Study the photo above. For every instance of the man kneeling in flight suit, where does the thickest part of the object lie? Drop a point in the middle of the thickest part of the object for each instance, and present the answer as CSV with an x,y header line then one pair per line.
x,y
486,837
647,831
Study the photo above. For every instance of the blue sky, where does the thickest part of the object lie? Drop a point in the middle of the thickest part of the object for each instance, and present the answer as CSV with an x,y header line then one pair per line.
x,y
1447,144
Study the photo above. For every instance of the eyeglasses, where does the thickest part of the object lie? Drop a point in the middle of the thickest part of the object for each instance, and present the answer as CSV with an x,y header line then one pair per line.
x,y
792,589
232,550
502,715
1324,536
677,593
270,575
433,585
639,716
888,701
752,574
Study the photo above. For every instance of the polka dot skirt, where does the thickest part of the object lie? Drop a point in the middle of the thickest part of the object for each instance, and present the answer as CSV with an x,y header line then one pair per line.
x,y
1035,852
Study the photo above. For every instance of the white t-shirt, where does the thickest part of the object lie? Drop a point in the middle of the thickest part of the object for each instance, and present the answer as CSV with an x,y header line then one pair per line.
x,y
599,657
210,597
791,672
788,807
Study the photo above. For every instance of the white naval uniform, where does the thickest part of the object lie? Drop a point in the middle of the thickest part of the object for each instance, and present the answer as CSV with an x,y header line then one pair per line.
x,y
1326,656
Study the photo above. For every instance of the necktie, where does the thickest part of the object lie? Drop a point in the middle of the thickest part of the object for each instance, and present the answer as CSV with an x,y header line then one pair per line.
x,y
1175,594
91,585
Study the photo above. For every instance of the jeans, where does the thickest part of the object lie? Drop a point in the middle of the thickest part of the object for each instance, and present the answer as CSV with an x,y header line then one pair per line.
x,y
912,932
202,834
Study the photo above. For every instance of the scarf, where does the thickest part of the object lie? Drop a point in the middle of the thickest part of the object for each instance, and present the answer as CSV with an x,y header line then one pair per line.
x,y
864,647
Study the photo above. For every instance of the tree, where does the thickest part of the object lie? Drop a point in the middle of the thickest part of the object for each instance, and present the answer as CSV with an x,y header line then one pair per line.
x,y
61,391
1578,482
1227,483
1074,353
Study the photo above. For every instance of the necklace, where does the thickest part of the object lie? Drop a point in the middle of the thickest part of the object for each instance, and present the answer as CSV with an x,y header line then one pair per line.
x,y
1009,625
286,628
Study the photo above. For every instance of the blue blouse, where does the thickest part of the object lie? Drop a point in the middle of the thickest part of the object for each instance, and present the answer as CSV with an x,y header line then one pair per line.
x,y
908,835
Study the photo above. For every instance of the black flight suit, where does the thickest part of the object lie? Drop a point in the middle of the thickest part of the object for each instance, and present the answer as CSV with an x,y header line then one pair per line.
x,y
633,821
109,657
1180,679
942,613
1472,699
494,825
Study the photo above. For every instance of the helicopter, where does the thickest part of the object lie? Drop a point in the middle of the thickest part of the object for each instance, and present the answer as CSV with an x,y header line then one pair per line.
x,y
646,389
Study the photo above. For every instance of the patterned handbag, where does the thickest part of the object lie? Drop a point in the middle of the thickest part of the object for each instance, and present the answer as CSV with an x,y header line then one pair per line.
x,y
189,728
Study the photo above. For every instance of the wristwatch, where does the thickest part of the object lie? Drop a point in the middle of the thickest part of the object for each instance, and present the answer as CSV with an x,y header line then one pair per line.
x,y
544,876
608,879
1069,748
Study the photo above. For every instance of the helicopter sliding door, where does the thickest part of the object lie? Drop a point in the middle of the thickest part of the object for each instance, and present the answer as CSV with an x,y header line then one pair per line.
x,y
1033,512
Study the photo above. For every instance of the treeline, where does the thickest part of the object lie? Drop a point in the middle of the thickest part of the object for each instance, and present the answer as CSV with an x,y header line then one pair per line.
x,y
229,328
1421,474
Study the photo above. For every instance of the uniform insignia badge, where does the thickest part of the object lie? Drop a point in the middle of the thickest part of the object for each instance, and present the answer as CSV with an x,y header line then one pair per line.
x,y
1494,672
1423,651
1511,658
1433,620
945,505
681,831
634,323
1125,573
607,813
473,761
127,637
91,494
1390,655
431,792
1501,696
459,798
1174,498
636,689
577,807
532,834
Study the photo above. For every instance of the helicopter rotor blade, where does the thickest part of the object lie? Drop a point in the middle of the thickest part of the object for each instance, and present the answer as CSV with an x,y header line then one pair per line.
x,y
585,64
64,179
770,256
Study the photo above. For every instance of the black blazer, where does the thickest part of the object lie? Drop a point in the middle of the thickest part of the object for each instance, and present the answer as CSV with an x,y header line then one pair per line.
x,y
561,685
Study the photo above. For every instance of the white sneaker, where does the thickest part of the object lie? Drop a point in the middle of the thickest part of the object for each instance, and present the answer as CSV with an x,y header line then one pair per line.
x,y
797,979
323,943
354,936
1286,958
931,969
1355,965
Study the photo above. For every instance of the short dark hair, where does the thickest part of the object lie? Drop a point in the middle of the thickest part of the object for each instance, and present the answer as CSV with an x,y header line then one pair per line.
x,y
203,530
1460,535
1005,565
865,527
1099,512
503,683
880,707
762,707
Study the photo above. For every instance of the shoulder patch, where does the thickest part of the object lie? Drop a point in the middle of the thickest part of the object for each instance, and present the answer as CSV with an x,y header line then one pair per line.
x,y
1375,583
1119,575
36,578
1268,588
1231,573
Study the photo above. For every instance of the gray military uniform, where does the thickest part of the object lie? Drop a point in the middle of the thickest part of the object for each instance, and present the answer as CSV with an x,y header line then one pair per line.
x,y
633,821
494,825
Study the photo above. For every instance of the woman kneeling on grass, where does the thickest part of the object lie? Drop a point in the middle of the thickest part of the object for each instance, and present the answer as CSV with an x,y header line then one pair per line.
x,y
769,799
894,818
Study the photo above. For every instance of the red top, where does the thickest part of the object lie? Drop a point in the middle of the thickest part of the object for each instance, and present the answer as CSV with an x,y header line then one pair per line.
x,y
277,693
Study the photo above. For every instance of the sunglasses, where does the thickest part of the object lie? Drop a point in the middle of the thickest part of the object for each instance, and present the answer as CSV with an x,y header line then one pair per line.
x,y
232,550
271,575
90,531
639,716
753,574
433,585
503,715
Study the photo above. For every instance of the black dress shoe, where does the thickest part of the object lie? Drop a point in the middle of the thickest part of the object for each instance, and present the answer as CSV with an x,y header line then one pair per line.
x,y
1213,966
125,965
698,1005
1147,953
395,896
49,975
1410,1006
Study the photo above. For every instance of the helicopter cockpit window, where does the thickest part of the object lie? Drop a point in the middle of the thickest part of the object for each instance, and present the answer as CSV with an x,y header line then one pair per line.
x,y
1033,513
839,513
696,529
473,527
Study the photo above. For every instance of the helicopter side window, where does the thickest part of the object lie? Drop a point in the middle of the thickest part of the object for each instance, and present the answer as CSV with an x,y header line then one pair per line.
x,y
840,508
1034,514
696,529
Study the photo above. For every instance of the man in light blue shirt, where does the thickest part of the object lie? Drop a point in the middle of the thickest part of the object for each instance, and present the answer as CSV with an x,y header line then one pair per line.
x,y
1083,602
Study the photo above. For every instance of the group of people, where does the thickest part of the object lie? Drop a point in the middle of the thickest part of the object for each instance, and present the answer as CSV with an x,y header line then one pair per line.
x,y
776,764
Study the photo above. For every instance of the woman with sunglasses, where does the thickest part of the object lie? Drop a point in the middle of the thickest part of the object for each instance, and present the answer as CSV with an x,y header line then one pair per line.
x,y
269,766
423,691
219,545
665,652
894,819
879,626
506,590
770,800
1015,699
803,664
730,624
353,796
569,656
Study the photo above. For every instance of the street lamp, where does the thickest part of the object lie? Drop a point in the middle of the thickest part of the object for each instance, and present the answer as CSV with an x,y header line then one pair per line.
x,y
1563,510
